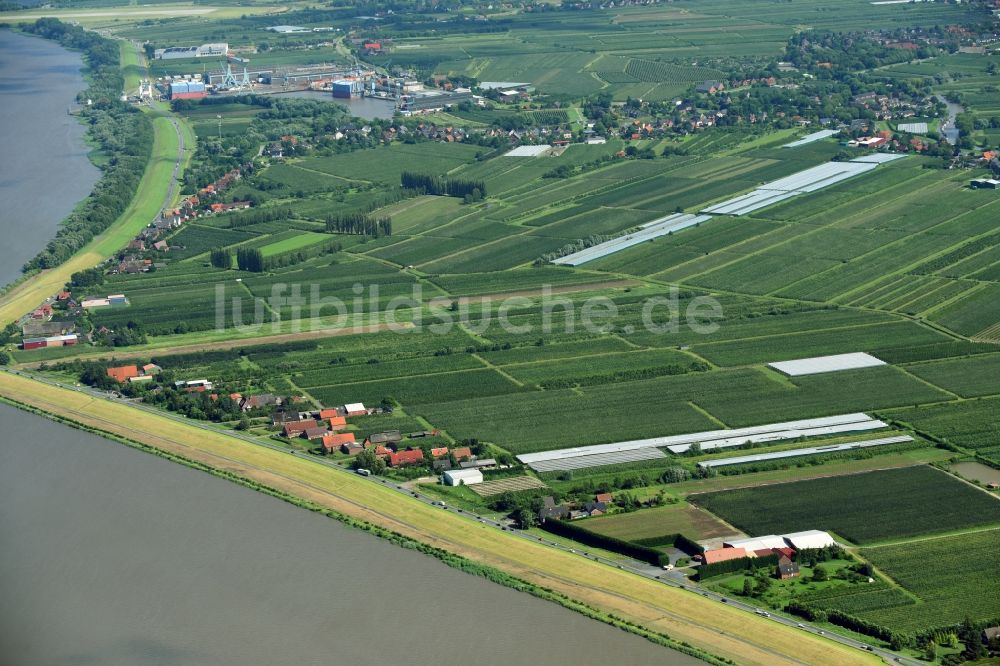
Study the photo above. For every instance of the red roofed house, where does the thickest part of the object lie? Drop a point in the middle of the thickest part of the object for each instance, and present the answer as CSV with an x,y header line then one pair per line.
x,y
406,458
439,452
723,555
64,295
462,452
787,552
607,498
328,414
338,423
296,428
123,373
333,440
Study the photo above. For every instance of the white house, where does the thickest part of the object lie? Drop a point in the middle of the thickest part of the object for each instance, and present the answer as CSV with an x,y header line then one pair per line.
x,y
460,477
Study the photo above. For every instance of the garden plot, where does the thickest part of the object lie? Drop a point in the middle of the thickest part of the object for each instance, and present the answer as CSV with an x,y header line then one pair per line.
x,y
514,484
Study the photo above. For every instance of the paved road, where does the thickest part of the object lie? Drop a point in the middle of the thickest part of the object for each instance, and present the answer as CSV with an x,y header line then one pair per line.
x,y
672,578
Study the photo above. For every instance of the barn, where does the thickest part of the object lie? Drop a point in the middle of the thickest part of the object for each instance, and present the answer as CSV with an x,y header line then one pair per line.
x,y
462,477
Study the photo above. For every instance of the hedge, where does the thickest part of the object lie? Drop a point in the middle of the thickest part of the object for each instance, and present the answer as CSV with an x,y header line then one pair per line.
x,y
741,564
585,536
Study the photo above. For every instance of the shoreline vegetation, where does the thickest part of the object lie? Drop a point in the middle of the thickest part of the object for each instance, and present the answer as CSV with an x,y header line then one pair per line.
x,y
115,128
673,618
450,559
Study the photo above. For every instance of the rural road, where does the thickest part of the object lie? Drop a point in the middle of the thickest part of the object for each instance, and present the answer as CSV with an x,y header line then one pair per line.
x,y
672,578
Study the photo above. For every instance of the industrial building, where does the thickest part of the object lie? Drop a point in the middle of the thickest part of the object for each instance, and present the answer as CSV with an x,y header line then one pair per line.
x,y
187,90
820,364
203,51
348,88
462,477
51,341
436,101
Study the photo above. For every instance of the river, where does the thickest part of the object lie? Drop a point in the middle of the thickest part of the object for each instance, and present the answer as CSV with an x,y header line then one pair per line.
x,y
115,556
39,81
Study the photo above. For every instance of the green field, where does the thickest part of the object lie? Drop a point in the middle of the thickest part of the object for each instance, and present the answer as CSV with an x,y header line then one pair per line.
x,y
863,508
938,589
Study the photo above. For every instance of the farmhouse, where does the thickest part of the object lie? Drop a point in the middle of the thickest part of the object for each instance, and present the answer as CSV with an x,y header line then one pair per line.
x,y
723,555
315,432
462,477
123,373
333,440
329,414
337,423
406,458
462,452
787,568
296,428
710,87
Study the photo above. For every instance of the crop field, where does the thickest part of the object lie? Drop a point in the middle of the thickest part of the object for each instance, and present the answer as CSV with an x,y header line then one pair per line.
x,y
385,164
907,502
971,424
683,518
970,377
514,484
947,589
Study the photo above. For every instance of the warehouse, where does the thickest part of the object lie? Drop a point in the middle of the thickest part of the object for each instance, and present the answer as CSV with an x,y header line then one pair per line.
x,y
462,477
187,90
757,543
809,539
203,51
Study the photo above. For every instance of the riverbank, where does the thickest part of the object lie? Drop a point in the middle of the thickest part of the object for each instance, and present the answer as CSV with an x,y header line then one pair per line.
x,y
43,144
683,616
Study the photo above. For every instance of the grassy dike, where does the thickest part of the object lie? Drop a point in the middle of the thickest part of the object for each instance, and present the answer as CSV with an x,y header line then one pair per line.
x,y
153,189
666,615
141,211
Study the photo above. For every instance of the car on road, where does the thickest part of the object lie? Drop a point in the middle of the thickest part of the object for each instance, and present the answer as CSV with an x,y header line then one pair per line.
x,y
364,472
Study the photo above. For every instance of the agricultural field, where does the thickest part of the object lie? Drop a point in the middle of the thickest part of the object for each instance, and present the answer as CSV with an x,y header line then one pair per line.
x,y
941,589
908,502
681,518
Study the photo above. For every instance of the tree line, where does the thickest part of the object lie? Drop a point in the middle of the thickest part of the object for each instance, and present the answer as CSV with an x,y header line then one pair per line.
x,y
360,224
451,187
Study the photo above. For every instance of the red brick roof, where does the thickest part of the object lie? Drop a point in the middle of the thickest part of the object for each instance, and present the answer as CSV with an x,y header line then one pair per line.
x,y
724,554
440,451
123,373
329,414
462,452
406,457
334,439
